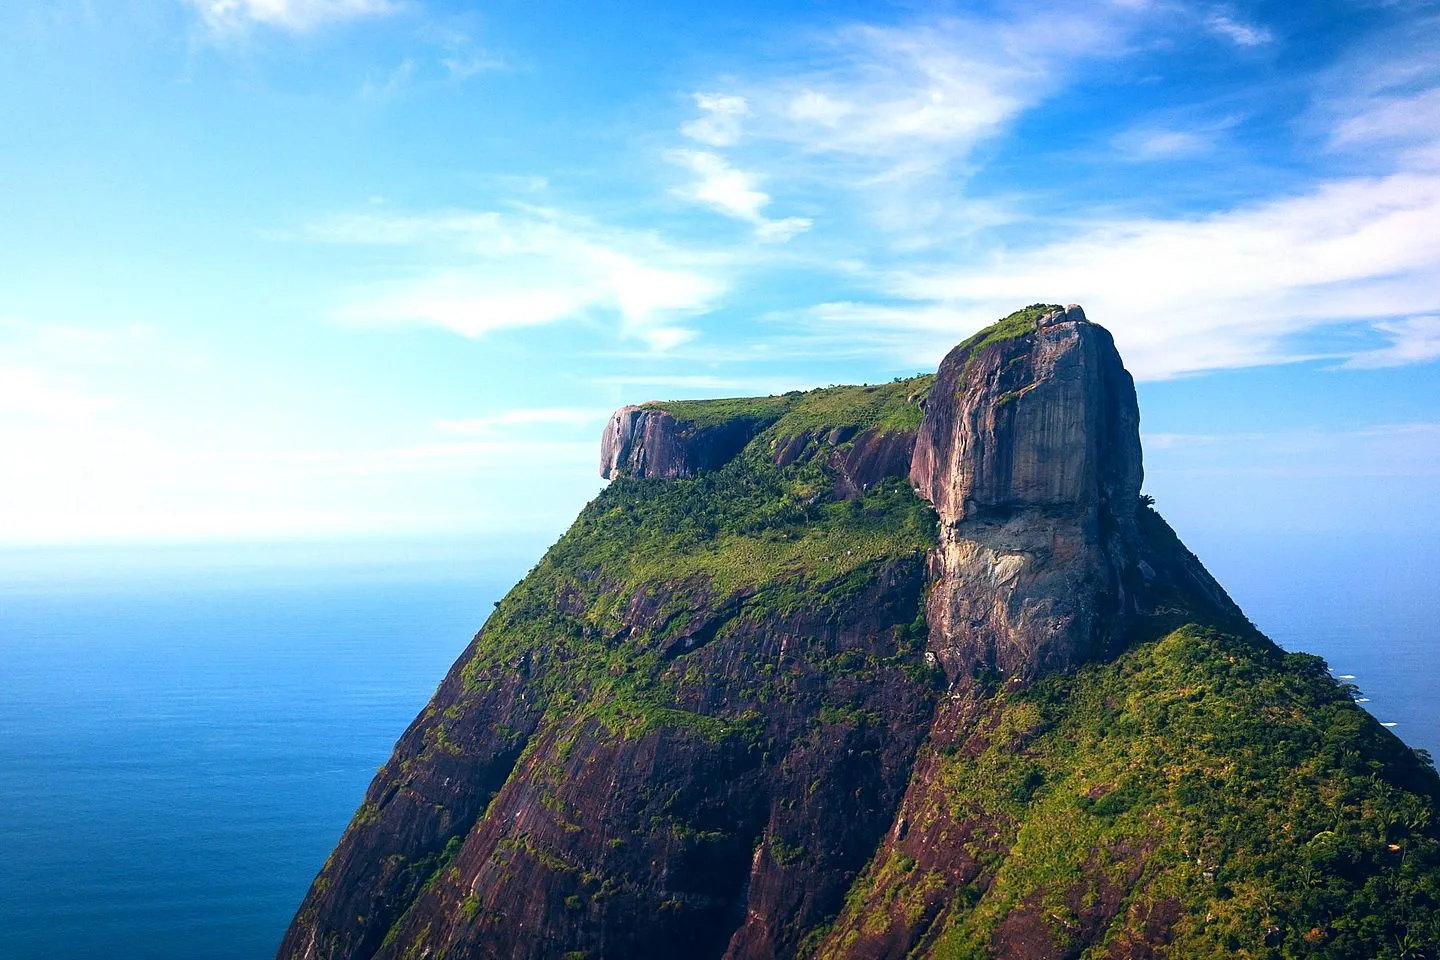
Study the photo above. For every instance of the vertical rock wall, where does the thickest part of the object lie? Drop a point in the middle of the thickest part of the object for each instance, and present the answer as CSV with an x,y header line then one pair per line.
x,y
1030,452
647,442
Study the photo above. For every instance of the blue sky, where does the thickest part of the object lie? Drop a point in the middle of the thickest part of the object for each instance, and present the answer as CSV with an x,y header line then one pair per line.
x,y
309,269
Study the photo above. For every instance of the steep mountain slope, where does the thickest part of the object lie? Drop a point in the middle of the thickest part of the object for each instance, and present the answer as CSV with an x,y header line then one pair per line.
x,y
904,670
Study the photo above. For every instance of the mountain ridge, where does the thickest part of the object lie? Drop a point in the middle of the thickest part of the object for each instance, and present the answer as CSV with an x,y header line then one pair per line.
x,y
798,681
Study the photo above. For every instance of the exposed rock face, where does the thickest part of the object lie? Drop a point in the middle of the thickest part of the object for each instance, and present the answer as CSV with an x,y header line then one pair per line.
x,y
860,459
416,804
1030,451
1046,419
647,442
672,842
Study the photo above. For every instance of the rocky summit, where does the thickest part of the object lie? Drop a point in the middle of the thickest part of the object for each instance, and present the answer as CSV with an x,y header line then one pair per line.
x,y
898,671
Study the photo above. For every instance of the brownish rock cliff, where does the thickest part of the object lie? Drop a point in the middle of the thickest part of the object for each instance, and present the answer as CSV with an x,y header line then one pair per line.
x,y
1030,452
650,442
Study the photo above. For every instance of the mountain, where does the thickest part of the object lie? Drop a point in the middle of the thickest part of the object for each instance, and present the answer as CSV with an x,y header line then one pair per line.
x,y
907,670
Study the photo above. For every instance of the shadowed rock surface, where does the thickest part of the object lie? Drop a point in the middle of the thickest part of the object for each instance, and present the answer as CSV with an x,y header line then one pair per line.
x,y
641,442
891,671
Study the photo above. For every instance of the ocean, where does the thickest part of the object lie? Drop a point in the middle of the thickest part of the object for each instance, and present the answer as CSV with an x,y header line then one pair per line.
x,y
180,750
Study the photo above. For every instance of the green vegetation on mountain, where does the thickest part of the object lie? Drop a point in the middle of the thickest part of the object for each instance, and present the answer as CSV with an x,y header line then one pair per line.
x,y
777,705
778,536
887,407
1214,780
1017,324
699,414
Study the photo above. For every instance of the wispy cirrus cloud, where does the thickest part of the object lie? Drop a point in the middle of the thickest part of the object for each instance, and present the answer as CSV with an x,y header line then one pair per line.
x,y
298,16
889,118
1412,340
1230,27
1160,144
734,193
445,56
718,124
1384,104
877,94
1229,289
881,121
478,272
1172,140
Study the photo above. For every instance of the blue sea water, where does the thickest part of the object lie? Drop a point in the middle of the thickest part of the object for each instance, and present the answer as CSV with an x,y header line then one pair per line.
x,y
176,761
180,750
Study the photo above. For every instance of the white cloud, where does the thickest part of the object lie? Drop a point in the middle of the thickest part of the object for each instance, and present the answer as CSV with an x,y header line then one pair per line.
x,y
728,190
463,57
224,16
489,271
1384,106
893,90
1183,295
734,193
464,66
1384,118
809,106
779,231
1414,340
1159,144
879,94
720,119
1239,33
1382,90
884,120
664,339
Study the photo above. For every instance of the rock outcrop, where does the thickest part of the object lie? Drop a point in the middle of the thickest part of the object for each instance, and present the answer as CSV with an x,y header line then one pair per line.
x,y
1030,452
1045,418
886,672
651,442
859,458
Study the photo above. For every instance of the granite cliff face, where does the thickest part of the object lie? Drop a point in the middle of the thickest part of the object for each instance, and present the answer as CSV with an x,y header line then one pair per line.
x,y
890,671
1030,452
641,442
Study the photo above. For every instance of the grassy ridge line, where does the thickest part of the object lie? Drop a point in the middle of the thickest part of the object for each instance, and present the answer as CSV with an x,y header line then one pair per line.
x,y
699,414
1017,324
888,407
